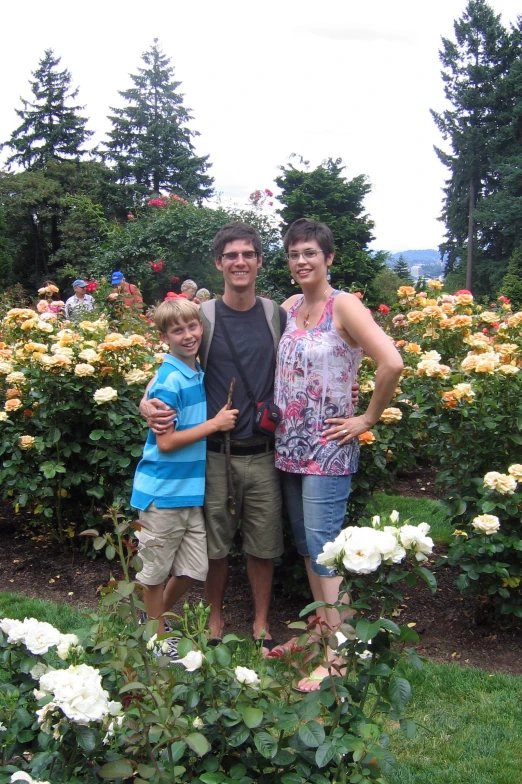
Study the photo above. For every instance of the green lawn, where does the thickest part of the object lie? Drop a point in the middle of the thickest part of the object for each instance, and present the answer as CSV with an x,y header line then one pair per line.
x,y
419,510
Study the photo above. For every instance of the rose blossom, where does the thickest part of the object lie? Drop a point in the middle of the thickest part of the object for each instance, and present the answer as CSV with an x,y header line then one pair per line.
x,y
105,395
488,524
192,661
79,694
515,471
502,483
391,415
12,405
84,370
135,376
21,775
26,442
414,537
246,676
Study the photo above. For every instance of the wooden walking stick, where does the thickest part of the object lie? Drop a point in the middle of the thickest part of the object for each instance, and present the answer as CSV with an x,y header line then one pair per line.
x,y
231,500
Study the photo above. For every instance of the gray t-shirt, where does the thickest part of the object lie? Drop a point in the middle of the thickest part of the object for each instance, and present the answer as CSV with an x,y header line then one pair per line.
x,y
253,341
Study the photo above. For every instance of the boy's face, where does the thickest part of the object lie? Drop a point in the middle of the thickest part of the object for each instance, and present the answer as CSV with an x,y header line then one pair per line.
x,y
184,339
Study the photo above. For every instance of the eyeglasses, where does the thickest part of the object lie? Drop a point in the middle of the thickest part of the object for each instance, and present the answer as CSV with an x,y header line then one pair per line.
x,y
248,255
309,253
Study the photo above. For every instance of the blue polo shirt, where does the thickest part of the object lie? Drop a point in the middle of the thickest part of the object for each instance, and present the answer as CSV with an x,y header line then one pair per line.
x,y
177,478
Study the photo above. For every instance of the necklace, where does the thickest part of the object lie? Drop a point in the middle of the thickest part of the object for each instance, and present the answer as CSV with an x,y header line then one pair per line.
x,y
306,320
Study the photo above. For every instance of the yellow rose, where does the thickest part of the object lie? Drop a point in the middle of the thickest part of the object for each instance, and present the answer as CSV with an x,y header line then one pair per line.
x,y
515,471
89,355
486,523
486,363
412,348
415,316
508,370
84,370
16,377
435,284
105,395
406,291
26,442
463,391
391,415
502,483
135,376
12,405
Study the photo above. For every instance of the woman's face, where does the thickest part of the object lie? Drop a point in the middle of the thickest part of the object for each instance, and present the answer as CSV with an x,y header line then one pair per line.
x,y
307,262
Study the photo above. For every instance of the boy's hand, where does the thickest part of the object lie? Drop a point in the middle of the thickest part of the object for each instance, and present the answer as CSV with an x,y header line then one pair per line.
x,y
226,418
158,415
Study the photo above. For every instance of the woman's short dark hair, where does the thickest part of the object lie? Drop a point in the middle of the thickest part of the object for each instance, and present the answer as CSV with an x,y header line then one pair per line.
x,y
236,231
306,229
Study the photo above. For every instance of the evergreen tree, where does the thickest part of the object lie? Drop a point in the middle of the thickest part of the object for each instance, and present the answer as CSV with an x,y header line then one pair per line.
x,y
6,262
51,128
473,66
512,283
323,194
402,270
150,142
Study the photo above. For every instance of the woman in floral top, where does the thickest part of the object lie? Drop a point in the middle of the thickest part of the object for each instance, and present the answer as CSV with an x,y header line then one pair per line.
x,y
317,448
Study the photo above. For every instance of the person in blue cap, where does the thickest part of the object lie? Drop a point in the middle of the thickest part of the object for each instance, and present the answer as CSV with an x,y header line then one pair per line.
x,y
130,294
80,302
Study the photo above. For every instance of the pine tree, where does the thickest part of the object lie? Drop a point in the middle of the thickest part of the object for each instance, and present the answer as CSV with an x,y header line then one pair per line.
x,y
512,283
51,129
323,194
473,66
6,262
402,270
150,142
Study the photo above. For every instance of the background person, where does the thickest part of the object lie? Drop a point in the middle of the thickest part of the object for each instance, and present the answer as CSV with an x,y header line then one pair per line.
x,y
189,288
317,448
80,301
202,295
129,293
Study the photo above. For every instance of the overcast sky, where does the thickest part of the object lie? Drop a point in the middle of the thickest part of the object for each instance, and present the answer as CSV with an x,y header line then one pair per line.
x,y
338,78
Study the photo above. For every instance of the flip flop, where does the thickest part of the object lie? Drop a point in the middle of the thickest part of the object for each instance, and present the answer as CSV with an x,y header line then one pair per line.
x,y
214,641
268,644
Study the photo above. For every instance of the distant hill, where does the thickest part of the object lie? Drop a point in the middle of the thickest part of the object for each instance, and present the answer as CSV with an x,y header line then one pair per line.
x,y
422,263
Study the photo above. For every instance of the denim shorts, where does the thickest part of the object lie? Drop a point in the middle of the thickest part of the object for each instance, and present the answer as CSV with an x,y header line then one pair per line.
x,y
316,508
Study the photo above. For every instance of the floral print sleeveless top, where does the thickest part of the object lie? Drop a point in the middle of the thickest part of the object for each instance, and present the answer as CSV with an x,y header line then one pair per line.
x,y
314,377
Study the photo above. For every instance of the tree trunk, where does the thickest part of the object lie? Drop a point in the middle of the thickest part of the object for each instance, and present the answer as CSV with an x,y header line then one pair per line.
x,y
469,263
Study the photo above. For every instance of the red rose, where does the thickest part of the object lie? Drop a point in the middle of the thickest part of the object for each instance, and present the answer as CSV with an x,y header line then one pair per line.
x,y
156,203
462,291
384,309
504,299
175,279
485,331
91,286
130,216
268,193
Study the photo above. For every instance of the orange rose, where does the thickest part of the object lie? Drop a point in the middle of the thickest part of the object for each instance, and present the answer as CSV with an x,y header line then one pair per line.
x,y
367,437
11,393
12,405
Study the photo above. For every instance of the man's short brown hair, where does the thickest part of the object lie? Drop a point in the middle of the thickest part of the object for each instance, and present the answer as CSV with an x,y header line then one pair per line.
x,y
236,231
172,311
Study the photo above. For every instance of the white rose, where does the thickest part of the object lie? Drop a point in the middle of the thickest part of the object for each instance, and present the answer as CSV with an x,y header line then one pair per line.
x,y
13,628
249,677
362,553
332,550
151,644
3,416
391,550
65,642
78,692
89,355
502,483
394,517
431,356
413,537
84,370
136,376
104,395
515,471
21,775
376,521
192,661
198,723
39,637
488,524
365,655
38,670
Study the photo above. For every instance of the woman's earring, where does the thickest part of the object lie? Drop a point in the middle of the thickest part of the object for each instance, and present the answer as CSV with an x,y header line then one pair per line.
x,y
292,281
328,277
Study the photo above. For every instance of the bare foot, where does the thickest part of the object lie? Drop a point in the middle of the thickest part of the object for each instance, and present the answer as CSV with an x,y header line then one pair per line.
x,y
313,681
216,626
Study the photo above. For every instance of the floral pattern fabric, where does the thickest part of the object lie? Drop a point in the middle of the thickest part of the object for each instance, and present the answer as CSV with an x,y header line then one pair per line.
x,y
314,377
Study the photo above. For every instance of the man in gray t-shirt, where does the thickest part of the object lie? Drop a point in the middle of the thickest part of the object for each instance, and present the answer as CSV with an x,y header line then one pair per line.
x,y
237,254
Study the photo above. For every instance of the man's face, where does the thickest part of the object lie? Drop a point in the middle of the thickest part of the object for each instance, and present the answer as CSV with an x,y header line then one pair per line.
x,y
79,291
239,273
184,338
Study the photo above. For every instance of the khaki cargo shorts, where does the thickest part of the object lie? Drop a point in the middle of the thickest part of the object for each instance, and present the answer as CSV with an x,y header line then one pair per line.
x,y
258,505
173,541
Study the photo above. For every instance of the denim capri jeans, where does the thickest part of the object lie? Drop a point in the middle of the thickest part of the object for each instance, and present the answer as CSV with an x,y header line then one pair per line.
x,y
316,507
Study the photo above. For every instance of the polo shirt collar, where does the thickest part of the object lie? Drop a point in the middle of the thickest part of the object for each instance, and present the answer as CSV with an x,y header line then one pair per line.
x,y
181,366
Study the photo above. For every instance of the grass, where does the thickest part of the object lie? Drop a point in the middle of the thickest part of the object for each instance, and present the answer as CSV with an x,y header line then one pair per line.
x,y
473,728
419,510
469,720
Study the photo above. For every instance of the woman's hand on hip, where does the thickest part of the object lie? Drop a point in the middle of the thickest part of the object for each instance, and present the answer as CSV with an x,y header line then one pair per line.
x,y
344,430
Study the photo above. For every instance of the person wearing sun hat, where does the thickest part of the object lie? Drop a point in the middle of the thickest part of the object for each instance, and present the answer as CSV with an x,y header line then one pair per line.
x,y
80,301
130,294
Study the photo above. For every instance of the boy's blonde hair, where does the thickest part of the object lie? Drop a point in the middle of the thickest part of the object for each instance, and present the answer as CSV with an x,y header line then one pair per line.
x,y
172,311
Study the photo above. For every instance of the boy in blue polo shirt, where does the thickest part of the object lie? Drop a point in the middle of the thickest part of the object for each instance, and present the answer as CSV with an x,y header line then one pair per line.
x,y
169,484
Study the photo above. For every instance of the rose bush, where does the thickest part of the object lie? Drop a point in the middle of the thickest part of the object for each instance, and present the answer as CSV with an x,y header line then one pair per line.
x,y
220,713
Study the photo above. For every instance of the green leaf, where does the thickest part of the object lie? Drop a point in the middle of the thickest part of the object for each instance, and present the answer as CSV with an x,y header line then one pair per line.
x,y
311,734
133,686
239,735
428,577
292,778
265,744
97,492
325,754
212,778
399,691
252,716
365,630
96,435
184,647
86,738
124,588
146,771
223,655
118,769
198,743
390,626
177,750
